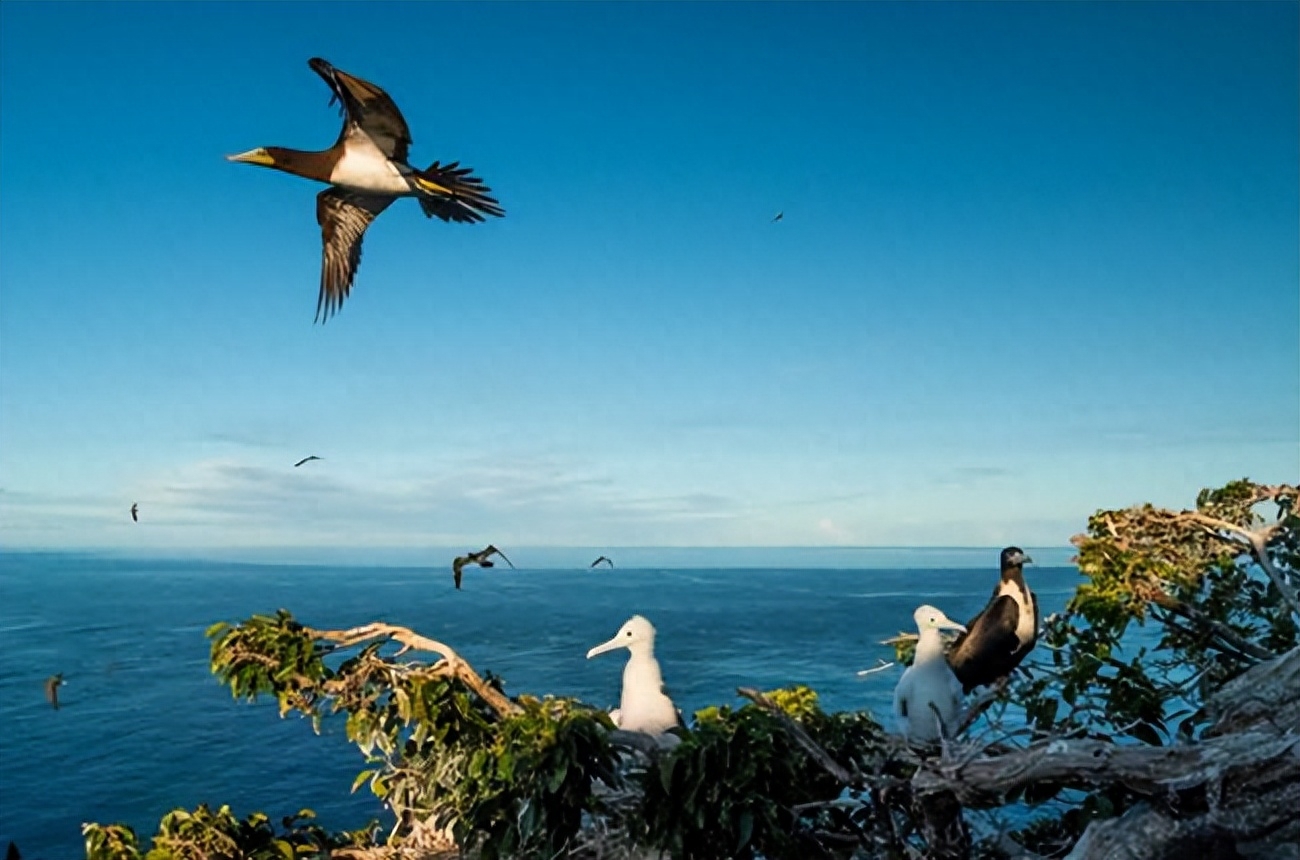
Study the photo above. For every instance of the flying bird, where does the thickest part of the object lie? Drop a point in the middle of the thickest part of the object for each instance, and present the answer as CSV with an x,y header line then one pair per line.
x,y
603,558
482,558
52,685
135,512
1004,631
367,170
305,460
927,700
644,706
778,217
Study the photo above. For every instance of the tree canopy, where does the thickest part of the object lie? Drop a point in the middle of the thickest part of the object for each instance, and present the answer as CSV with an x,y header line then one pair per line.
x,y
1192,742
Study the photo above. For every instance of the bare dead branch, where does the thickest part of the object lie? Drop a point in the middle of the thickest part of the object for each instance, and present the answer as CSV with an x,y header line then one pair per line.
x,y
1257,732
451,664
1257,541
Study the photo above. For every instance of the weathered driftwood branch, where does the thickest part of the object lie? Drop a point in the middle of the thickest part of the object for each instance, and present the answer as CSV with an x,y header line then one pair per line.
x,y
451,665
1144,769
1239,784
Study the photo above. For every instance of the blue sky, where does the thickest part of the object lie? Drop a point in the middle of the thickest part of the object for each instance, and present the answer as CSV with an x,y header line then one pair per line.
x,y
1036,259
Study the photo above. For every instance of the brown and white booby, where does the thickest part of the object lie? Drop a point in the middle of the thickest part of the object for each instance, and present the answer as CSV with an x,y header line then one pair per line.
x,y
305,460
1003,633
603,558
135,512
367,170
482,558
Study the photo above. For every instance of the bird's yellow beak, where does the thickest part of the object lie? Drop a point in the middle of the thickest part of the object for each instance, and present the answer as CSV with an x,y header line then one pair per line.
x,y
254,156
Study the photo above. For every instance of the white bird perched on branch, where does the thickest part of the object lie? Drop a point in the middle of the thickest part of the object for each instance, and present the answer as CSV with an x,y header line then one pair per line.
x,y
644,707
929,694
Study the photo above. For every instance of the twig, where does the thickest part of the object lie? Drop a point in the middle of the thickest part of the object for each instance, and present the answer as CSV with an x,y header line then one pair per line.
x,y
800,737
981,704
874,669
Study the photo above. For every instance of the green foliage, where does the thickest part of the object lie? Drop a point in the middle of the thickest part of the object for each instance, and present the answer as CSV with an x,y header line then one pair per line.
x,y
205,834
730,788
525,793
523,778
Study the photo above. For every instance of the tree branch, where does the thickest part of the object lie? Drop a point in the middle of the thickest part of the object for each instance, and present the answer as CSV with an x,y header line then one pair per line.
x,y
451,664
1220,630
1257,731
1257,540
800,736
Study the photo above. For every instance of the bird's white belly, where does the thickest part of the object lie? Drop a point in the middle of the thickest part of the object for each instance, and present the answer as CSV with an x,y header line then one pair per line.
x,y
1025,622
368,170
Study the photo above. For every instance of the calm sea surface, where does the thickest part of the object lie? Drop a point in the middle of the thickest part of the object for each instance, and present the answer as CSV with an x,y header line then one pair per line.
x,y
145,727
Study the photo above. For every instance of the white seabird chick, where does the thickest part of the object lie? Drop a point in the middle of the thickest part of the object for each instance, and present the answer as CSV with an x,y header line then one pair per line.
x,y
928,693
643,707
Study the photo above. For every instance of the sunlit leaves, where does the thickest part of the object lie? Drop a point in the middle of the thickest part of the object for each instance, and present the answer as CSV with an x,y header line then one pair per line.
x,y
207,834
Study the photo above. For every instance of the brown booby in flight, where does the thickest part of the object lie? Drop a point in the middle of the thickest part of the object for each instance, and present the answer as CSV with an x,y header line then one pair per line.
x,y
481,558
1003,633
778,217
52,685
305,460
135,512
367,170
603,558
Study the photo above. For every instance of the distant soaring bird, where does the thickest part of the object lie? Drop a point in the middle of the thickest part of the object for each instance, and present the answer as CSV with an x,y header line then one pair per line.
x,y
928,695
778,217
481,558
135,512
604,559
52,685
305,460
366,170
1003,633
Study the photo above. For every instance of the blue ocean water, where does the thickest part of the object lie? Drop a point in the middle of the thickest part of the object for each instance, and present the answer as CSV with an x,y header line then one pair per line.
x,y
144,727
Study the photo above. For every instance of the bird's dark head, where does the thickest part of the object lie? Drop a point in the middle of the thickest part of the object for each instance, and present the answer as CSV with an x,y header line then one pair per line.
x,y
1014,557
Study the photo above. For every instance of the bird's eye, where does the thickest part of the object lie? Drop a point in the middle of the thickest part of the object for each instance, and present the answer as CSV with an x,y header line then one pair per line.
x,y
629,633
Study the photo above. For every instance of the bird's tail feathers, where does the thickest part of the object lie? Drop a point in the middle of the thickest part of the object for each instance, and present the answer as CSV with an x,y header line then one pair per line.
x,y
454,193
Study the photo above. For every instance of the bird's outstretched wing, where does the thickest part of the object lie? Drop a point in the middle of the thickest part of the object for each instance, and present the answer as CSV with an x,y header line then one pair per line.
x,y
343,217
52,690
491,549
305,460
458,568
367,109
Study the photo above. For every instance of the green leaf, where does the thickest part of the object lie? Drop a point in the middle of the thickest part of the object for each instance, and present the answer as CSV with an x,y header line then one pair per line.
x,y
746,829
361,777
666,766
